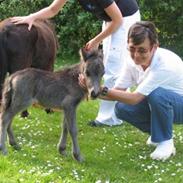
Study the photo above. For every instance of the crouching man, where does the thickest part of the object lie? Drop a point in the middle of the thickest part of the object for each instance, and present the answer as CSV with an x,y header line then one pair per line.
x,y
157,101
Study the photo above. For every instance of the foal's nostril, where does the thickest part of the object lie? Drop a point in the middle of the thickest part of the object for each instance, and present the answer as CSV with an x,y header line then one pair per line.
x,y
94,95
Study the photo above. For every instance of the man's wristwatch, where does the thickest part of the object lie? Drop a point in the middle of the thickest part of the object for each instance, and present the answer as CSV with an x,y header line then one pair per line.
x,y
104,91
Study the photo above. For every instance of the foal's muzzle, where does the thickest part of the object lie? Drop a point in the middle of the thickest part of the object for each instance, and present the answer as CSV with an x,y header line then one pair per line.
x,y
94,94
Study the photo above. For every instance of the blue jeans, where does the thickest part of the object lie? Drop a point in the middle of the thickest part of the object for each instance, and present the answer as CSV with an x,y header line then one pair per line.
x,y
155,114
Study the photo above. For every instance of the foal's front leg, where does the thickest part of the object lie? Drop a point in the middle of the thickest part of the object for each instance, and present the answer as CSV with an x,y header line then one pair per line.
x,y
63,138
70,115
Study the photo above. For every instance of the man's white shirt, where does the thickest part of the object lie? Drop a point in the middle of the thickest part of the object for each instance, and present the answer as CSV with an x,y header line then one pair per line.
x,y
165,70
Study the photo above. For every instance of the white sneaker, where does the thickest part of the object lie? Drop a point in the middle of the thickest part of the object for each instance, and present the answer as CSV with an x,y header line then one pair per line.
x,y
111,122
149,142
164,150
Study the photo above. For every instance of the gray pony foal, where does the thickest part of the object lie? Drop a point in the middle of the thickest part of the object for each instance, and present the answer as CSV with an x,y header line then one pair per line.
x,y
52,90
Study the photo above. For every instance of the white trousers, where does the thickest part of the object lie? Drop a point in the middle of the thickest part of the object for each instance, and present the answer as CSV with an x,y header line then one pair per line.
x,y
115,51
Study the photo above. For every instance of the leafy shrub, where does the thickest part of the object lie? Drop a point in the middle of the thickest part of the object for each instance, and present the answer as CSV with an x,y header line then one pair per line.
x,y
75,27
168,17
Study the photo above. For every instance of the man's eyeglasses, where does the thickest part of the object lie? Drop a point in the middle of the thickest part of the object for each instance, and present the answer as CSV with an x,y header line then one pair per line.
x,y
141,51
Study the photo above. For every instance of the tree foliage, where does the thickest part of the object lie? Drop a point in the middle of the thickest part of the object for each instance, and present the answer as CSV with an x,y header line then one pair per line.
x,y
168,17
75,27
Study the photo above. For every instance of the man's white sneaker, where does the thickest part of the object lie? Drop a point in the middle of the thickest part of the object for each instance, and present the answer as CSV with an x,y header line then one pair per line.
x,y
164,150
149,142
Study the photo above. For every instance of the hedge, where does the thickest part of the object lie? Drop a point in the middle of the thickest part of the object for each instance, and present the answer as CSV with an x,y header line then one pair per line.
x,y
75,27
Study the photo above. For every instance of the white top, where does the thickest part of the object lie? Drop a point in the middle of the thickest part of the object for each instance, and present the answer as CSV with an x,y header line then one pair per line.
x,y
165,70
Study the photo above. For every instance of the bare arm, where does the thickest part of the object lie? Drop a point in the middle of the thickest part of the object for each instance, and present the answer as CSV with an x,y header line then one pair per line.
x,y
116,94
49,11
116,20
44,13
123,96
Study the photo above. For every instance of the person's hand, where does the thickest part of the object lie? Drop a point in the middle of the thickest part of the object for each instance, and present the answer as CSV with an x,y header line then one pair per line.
x,y
23,20
82,81
92,44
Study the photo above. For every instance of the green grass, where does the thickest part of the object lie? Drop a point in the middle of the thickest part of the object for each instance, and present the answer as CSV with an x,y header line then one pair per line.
x,y
112,154
66,61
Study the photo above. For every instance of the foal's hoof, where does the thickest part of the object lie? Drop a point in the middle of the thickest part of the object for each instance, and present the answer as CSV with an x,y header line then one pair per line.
x,y
16,147
3,151
49,111
62,151
78,158
24,114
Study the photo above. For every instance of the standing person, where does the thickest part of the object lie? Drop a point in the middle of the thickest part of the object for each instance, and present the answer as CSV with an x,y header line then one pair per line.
x,y
118,16
157,101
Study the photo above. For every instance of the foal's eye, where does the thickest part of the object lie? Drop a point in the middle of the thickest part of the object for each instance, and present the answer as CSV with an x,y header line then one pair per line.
x,y
87,73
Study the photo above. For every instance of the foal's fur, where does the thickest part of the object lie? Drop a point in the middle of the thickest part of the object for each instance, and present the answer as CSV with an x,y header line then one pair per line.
x,y
53,90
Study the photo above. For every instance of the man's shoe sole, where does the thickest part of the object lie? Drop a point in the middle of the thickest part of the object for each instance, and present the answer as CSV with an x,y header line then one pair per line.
x,y
96,124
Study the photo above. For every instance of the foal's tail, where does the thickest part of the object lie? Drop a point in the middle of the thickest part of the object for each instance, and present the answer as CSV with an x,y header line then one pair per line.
x,y
7,94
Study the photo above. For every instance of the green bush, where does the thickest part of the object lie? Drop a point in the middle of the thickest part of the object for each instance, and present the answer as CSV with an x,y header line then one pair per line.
x,y
168,17
75,27
10,8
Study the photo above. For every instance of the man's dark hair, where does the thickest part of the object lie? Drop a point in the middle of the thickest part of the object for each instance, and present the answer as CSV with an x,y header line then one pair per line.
x,y
141,30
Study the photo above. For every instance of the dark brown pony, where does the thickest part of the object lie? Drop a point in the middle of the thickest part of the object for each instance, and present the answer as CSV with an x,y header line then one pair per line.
x,y
21,48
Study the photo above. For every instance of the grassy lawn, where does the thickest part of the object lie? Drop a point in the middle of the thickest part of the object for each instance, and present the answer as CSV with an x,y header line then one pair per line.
x,y
112,154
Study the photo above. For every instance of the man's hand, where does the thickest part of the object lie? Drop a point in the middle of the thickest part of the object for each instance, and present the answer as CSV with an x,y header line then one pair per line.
x,y
82,81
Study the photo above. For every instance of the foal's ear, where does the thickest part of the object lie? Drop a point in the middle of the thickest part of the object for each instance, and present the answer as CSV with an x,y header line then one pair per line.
x,y
84,54
100,53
